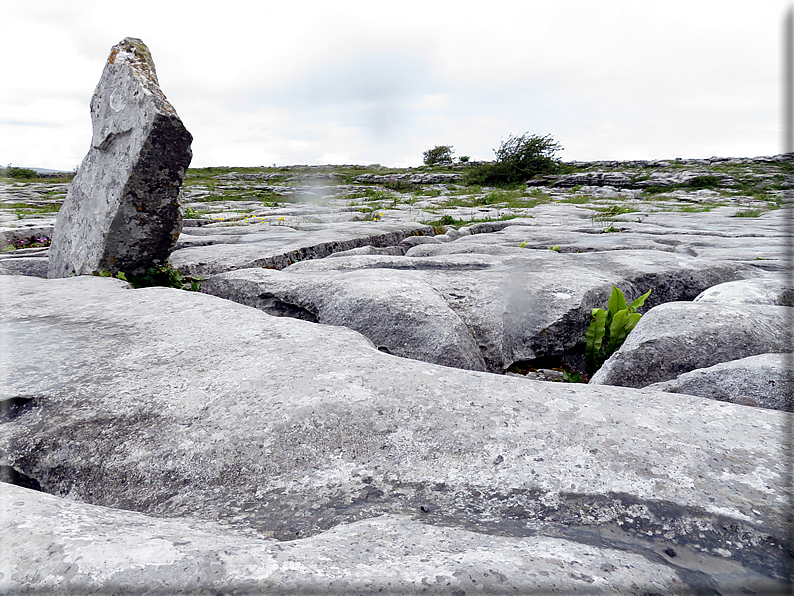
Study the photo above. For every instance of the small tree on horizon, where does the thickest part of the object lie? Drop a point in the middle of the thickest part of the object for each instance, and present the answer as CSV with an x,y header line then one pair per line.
x,y
440,154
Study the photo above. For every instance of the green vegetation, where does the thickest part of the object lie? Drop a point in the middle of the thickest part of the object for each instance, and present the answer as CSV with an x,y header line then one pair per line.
x,y
28,242
580,200
609,328
701,182
440,154
607,213
28,175
20,173
572,377
430,192
22,210
470,190
500,196
159,276
105,273
698,208
517,160
46,208
242,194
448,220
401,186
371,194
749,213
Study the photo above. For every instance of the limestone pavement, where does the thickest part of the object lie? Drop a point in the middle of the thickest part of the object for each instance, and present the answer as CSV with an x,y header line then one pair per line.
x,y
330,412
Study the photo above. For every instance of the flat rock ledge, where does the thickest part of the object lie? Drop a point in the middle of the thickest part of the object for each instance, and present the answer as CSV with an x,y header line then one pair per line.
x,y
185,406
276,247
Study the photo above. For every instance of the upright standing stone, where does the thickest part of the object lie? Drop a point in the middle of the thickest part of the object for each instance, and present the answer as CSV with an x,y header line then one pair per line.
x,y
122,209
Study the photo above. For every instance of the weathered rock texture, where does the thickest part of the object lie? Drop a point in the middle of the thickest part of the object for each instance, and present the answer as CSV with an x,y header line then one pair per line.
x,y
763,381
86,549
678,337
476,303
122,210
276,247
24,265
396,310
181,404
417,178
771,290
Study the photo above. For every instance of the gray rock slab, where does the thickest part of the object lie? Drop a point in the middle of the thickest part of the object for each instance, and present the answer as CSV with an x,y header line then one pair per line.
x,y
83,548
416,178
761,247
764,290
34,266
397,310
720,221
516,304
280,246
180,404
371,250
122,209
417,240
678,337
762,381
237,234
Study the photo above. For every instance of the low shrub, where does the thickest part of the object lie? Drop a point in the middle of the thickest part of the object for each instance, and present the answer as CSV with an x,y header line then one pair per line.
x,y
401,186
701,182
21,173
518,159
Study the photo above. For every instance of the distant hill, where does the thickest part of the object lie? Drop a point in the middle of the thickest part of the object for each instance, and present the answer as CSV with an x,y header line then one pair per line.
x,y
47,171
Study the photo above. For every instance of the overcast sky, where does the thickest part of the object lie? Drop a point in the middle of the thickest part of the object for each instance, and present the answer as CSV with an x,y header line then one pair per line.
x,y
262,83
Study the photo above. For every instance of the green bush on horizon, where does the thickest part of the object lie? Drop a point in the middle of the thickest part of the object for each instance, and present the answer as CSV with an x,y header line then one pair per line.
x,y
518,159
20,173
440,154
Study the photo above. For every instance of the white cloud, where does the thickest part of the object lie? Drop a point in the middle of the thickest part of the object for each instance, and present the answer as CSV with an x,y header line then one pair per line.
x,y
435,102
263,83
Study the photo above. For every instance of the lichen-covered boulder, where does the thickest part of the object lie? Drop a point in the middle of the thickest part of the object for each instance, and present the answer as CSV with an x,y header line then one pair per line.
x,y
122,209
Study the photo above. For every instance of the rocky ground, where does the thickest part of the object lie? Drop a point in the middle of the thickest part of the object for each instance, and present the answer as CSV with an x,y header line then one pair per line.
x,y
408,423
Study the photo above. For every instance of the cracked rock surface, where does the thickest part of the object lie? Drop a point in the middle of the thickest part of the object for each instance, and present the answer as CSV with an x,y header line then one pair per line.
x,y
183,405
380,554
359,442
